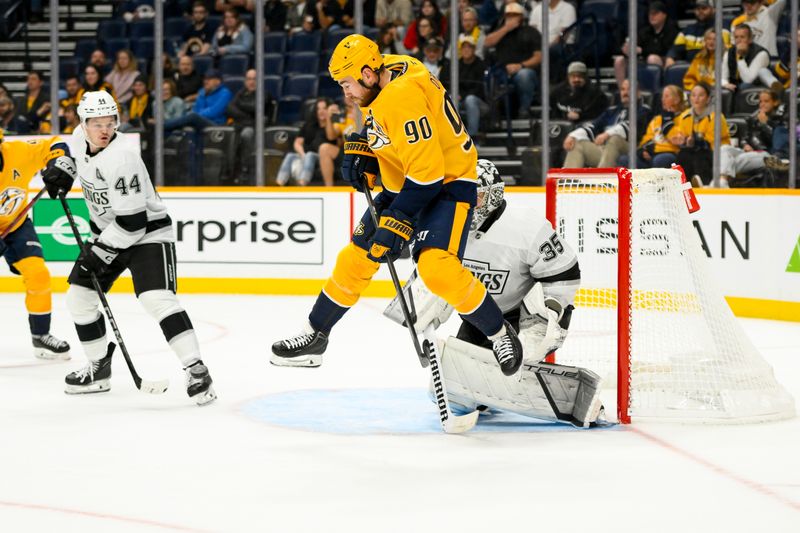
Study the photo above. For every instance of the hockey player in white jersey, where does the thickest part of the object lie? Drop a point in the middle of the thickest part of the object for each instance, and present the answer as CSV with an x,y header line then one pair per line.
x,y
131,230
533,276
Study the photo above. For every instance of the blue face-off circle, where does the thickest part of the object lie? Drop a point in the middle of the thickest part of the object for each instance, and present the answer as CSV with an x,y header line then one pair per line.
x,y
374,411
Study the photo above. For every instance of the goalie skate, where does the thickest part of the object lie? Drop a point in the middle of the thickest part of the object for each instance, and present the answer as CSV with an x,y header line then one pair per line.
x,y
94,377
50,348
198,384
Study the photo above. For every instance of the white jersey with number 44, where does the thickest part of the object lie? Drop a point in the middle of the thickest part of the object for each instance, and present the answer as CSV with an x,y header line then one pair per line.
x,y
124,208
511,252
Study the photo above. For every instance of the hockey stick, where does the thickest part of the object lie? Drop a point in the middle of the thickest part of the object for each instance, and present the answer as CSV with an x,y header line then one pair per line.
x,y
22,214
430,354
151,387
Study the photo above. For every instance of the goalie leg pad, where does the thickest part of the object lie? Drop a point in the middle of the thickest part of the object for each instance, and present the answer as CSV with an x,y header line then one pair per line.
x,y
548,392
424,307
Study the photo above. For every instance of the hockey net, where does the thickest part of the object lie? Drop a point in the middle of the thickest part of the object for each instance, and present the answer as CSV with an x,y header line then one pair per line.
x,y
648,317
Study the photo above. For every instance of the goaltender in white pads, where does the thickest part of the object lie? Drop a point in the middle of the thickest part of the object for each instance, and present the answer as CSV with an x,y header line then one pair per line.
x,y
533,276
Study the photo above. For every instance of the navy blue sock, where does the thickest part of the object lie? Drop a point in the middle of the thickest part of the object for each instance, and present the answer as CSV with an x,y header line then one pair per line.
x,y
487,317
40,324
325,314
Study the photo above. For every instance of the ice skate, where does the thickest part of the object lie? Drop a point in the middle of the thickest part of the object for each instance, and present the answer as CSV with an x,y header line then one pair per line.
x,y
508,350
94,377
305,349
50,348
198,383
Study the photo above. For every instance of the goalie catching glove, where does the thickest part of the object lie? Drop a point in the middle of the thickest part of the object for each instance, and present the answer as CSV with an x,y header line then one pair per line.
x,y
97,258
59,175
359,164
539,327
394,231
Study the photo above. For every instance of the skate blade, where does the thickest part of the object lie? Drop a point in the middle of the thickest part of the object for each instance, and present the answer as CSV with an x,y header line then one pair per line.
x,y
47,355
206,397
102,385
307,361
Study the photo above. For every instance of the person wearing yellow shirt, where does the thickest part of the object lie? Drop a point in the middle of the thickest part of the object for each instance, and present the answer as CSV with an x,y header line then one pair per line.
x,y
701,70
659,147
19,163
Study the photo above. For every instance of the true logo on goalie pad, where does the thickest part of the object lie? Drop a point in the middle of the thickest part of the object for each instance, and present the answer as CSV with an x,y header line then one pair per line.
x,y
494,280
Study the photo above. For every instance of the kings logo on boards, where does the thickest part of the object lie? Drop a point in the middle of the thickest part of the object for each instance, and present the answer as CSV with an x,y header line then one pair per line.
x,y
58,241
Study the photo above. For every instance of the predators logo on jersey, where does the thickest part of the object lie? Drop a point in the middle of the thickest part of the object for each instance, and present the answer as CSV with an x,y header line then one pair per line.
x,y
376,135
11,199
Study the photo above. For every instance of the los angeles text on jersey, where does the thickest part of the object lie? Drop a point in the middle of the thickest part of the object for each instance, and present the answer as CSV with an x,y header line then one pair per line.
x,y
493,280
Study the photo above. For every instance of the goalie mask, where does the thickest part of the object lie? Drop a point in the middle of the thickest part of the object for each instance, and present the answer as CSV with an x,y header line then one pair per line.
x,y
490,192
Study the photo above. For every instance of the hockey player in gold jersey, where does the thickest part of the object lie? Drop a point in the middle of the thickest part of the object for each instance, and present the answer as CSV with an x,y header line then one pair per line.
x,y
19,163
415,140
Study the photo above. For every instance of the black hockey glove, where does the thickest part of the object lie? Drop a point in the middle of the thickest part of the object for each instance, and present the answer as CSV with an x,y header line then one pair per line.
x,y
395,228
59,175
97,258
359,163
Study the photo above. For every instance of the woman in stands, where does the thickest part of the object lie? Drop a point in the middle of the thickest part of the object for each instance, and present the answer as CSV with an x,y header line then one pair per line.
x,y
416,36
702,68
659,145
695,134
93,81
122,76
232,37
301,164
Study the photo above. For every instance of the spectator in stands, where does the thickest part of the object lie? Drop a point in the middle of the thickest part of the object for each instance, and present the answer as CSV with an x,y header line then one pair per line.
x,y
99,60
242,110
762,21
470,28
35,105
782,73
653,42
330,15
702,68
167,72
336,126
388,41
4,90
71,119
577,99
275,15
224,5
296,14
10,121
561,16
232,37
470,86
307,25
301,164
694,133
765,145
658,148
600,143
690,40
139,110
173,105
122,75
197,37
209,108
399,13
72,85
188,81
744,62
415,35
434,60
93,81
135,10
518,50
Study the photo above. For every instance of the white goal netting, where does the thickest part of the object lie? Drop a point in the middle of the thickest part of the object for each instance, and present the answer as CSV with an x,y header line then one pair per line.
x,y
688,356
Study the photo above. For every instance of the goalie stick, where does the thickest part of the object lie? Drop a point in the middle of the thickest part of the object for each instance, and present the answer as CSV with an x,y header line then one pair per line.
x,y
429,353
151,387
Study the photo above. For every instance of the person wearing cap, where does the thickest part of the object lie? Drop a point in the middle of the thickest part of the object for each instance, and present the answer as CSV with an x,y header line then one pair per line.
x,y
471,69
690,40
433,58
577,99
518,49
469,27
653,42
763,21
209,108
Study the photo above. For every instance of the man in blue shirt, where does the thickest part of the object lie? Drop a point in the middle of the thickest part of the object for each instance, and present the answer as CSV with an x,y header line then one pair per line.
x,y
209,108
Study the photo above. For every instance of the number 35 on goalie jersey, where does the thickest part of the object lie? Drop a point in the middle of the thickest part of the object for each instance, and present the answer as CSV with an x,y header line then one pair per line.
x,y
416,131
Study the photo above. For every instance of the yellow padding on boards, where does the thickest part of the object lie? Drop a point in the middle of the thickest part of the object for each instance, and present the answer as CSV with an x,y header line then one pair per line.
x,y
36,277
446,277
351,275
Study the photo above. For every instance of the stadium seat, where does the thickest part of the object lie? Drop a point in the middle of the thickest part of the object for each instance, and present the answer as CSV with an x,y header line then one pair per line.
x,y
280,138
302,85
234,64
143,47
275,42
273,85
602,9
673,75
737,128
335,36
143,65
727,102
140,28
559,129
219,147
327,87
202,63
305,42
650,78
112,46
783,45
746,101
214,22
234,83
371,33
84,48
273,64
301,63
174,27
289,110
69,66
112,29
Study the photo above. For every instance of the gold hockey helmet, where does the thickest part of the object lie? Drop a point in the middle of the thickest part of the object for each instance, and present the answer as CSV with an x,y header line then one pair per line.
x,y
352,54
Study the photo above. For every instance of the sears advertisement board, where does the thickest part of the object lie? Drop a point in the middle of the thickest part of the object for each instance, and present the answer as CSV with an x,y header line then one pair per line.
x,y
258,229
